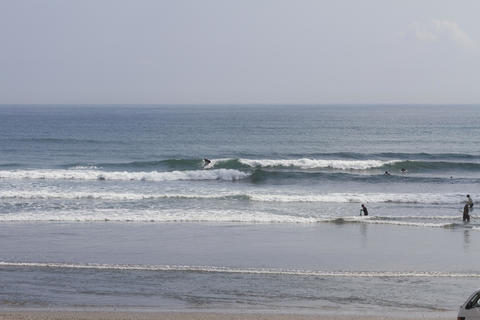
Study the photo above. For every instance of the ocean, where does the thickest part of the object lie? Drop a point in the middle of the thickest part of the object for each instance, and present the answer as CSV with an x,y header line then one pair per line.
x,y
113,207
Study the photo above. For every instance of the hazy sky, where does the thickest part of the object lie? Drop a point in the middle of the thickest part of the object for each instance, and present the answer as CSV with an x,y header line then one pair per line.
x,y
243,51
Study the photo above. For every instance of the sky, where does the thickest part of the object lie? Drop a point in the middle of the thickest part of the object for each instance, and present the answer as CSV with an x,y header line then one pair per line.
x,y
239,52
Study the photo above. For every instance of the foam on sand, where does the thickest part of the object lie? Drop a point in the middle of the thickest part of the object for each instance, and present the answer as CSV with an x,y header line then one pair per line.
x,y
263,271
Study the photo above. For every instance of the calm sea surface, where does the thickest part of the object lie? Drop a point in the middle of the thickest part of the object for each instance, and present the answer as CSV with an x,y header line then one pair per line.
x,y
114,207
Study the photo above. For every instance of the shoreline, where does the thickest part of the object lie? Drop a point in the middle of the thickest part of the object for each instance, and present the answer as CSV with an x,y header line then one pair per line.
x,y
174,315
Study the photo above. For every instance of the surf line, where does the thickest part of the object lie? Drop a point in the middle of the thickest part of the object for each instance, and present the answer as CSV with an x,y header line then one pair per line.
x,y
259,271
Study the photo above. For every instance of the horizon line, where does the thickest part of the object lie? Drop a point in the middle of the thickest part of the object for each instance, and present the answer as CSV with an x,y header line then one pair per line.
x,y
239,104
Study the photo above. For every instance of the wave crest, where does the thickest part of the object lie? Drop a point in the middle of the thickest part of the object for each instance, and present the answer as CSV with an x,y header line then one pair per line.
x,y
306,163
415,198
431,164
228,216
423,198
88,174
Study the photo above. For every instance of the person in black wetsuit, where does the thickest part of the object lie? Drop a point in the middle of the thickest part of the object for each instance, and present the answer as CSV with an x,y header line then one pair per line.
x,y
469,202
364,210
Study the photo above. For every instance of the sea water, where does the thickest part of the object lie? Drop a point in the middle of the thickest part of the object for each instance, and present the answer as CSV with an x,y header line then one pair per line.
x,y
114,207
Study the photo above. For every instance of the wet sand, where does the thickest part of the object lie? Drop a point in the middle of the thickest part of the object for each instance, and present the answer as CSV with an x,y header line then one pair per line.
x,y
120,315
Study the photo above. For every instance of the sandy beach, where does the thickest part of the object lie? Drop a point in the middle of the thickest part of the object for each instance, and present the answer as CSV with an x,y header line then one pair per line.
x,y
101,315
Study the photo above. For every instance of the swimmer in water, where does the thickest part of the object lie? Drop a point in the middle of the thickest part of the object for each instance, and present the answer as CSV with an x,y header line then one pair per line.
x,y
364,210
403,170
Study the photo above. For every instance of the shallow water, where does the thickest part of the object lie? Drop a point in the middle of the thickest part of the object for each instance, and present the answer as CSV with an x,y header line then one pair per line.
x,y
294,268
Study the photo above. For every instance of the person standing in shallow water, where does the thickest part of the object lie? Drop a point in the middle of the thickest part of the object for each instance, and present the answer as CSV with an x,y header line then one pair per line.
x,y
466,216
364,210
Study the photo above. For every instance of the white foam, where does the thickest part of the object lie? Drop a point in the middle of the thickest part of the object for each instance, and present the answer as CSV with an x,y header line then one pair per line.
x,y
419,217
84,168
264,271
211,216
410,223
419,198
207,216
423,198
167,215
217,174
72,195
306,163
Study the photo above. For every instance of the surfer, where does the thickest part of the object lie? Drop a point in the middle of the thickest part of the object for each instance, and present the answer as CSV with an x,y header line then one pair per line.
x,y
469,202
403,170
387,173
364,210
466,216
206,162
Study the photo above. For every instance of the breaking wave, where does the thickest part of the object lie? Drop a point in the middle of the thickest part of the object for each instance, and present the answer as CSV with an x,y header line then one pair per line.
x,y
306,163
340,160
89,174
429,163
229,216
261,170
413,198
394,165
422,198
